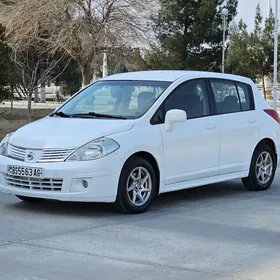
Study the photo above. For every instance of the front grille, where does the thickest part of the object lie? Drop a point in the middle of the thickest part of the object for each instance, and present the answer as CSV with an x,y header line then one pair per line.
x,y
33,183
46,155
55,154
16,152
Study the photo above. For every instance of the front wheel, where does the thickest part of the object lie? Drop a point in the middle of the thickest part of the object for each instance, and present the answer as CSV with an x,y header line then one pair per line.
x,y
137,186
262,169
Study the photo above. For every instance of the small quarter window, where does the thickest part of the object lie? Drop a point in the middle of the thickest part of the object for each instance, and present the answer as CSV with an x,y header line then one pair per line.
x,y
244,94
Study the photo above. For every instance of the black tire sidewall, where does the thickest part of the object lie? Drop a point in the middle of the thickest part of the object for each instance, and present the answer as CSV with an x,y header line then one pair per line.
x,y
253,176
122,196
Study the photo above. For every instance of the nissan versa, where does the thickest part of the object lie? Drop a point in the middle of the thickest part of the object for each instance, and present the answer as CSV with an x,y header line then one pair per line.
x,y
128,137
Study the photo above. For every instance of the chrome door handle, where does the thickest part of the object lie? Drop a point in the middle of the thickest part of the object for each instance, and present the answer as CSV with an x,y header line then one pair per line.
x,y
210,126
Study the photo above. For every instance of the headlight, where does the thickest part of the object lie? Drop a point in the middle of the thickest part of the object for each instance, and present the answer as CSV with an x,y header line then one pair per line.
x,y
94,150
4,145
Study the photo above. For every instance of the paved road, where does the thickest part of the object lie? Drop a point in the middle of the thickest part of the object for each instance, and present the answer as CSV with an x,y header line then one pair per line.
x,y
220,232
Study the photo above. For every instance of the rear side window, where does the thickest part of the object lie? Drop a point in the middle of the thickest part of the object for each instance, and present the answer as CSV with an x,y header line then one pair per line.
x,y
226,97
231,97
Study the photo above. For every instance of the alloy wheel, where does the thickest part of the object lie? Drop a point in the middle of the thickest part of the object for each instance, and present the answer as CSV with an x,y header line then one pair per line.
x,y
264,168
139,186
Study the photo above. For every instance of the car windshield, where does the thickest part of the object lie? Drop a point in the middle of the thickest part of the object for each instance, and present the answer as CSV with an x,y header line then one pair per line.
x,y
114,99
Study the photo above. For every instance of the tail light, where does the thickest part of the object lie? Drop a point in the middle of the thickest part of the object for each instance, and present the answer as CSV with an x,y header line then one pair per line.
x,y
273,114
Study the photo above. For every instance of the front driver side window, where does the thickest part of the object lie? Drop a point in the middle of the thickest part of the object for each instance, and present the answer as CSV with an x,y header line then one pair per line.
x,y
191,97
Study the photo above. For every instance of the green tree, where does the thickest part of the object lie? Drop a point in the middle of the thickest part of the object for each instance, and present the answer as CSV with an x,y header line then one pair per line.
x,y
155,58
239,56
158,58
120,68
68,76
191,31
262,46
252,54
5,66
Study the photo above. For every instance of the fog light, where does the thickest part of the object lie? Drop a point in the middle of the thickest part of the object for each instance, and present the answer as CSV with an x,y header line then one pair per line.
x,y
85,184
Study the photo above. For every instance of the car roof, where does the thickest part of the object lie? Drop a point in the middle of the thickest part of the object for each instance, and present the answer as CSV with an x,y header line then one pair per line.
x,y
172,75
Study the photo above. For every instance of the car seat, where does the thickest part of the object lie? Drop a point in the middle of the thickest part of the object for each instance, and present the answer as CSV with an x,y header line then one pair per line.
x,y
230,104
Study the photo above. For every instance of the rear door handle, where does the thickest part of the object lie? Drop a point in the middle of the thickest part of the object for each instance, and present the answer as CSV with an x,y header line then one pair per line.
x,y
251,120
210,126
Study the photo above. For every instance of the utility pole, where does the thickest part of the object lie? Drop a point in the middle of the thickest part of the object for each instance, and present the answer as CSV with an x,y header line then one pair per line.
x,y
105,60
224,13
224,26
268,8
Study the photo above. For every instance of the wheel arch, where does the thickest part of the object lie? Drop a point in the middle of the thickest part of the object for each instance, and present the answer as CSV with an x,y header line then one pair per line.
x,y
251,182
152,160
270,142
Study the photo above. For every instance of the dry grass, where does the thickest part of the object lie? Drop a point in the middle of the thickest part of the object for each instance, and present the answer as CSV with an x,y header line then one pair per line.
x,y
11,120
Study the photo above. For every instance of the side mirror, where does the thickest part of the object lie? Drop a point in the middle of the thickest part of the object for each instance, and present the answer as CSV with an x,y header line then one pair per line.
x,y
174,116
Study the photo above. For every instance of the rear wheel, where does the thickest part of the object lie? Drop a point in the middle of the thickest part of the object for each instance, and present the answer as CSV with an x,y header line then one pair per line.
x,y
28,199
137,186
262,169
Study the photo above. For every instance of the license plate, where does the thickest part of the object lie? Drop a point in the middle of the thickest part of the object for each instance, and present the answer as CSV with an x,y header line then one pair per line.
x,y
30,172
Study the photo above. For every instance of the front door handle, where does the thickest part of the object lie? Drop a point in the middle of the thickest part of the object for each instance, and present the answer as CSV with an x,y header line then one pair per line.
x,y
210,126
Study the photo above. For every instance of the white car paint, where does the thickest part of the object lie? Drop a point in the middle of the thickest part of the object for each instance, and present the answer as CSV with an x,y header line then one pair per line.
x,y
66,133
194,139
195,152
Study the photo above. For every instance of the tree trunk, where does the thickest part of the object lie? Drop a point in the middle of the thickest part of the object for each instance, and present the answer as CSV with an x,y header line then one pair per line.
x,y
85,70
43,93
263,86
36,95
29,107
94,75
12,97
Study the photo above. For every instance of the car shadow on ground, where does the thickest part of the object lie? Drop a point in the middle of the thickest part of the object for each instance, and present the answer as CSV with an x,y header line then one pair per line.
x,y
162,203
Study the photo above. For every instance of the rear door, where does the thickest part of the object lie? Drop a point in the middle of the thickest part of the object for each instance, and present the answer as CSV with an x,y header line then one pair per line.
x,y
238,123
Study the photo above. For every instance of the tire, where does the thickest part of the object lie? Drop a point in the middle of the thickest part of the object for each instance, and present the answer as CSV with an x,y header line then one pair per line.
x,y
260,176
29,199
130,188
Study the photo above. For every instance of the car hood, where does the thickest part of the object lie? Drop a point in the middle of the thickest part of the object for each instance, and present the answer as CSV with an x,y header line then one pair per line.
x,y
56,132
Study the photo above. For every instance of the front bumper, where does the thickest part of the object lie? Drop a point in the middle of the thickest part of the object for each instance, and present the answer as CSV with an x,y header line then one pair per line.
x,y
102,176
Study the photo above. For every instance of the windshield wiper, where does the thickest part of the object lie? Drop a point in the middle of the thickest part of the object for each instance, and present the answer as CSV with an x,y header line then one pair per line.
x,y
61,114
97,115
88,115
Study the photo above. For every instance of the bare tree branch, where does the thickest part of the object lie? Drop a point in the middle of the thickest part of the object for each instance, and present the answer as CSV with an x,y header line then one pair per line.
x,y
77,27
33,69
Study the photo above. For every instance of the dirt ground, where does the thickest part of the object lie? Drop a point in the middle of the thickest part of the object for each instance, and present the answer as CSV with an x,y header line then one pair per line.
x,y
11,120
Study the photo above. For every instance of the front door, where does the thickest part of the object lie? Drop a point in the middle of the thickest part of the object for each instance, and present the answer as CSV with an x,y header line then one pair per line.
x,y
191,148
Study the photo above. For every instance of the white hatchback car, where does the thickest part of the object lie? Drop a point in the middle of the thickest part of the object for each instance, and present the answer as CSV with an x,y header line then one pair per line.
x,y
129,137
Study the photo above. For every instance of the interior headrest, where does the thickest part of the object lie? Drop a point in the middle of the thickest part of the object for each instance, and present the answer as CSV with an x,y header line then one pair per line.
x,y
231,99
146,95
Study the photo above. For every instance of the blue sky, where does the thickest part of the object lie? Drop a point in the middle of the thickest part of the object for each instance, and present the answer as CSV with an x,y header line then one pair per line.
x,y
247,9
